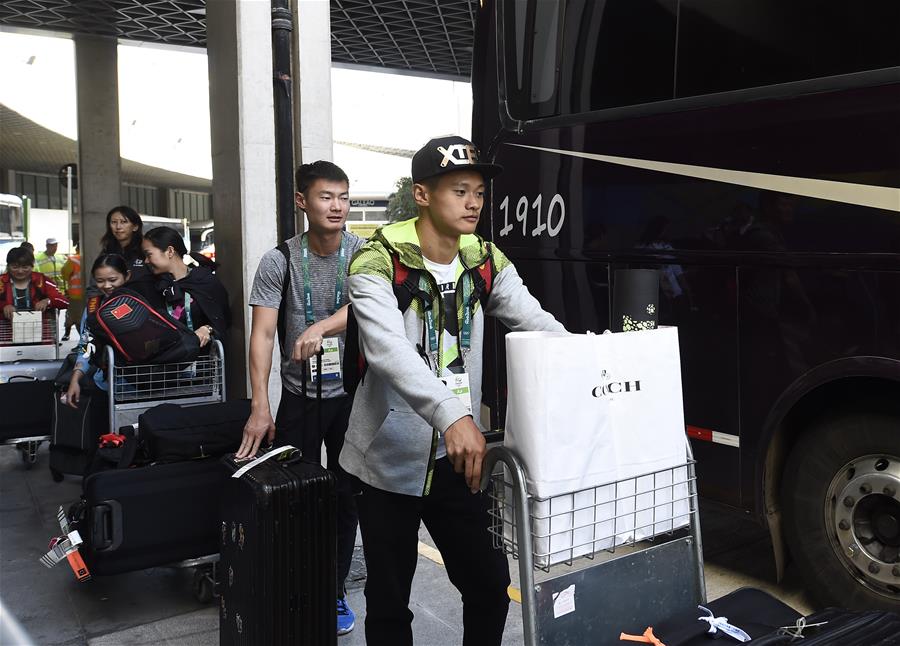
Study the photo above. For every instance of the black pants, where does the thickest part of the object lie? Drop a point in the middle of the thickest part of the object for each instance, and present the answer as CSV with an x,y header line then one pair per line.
x,y
306,425
457,521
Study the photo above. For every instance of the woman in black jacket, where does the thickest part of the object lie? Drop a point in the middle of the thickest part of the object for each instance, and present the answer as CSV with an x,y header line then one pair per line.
x,y
193,295
123,236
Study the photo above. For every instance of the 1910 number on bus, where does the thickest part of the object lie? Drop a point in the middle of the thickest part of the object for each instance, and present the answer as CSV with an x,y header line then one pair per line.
x,y
555,214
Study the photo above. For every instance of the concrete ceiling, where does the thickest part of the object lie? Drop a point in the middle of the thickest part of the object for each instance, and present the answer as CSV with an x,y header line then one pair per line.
x,y
425,37
28,145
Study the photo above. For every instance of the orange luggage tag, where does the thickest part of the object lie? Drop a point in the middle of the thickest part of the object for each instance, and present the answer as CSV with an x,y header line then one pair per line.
x,y
647,638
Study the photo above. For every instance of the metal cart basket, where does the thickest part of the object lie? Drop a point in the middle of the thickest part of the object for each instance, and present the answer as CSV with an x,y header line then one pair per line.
x,y
135,388
31,346
613,558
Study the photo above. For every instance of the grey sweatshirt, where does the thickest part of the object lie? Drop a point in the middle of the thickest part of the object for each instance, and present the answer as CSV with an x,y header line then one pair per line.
x,y
401,406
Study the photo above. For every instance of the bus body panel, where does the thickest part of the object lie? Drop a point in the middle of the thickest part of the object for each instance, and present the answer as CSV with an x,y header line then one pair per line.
x,y
766,286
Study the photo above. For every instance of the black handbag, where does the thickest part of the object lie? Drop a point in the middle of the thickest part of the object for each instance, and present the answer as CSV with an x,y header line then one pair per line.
x,y
172,433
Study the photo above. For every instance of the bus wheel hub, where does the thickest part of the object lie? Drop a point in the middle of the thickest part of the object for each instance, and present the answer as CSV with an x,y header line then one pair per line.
x,y
863,517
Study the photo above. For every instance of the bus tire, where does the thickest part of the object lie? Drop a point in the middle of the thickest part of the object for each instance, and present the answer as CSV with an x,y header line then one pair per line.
x,y
841,495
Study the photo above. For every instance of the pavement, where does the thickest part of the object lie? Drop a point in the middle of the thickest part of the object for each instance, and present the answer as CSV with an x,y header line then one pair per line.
x,y
157,606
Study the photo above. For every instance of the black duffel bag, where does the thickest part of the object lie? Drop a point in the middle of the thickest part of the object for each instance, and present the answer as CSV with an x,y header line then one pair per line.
x,y
172,433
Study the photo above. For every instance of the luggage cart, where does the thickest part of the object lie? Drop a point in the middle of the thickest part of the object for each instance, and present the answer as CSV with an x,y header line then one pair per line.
x,y
17,361
614,558
135,388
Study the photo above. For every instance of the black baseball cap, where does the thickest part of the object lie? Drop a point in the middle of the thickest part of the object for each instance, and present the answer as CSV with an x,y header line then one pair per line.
x,y
447,154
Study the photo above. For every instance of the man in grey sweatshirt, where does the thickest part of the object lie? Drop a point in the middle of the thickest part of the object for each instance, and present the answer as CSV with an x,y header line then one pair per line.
x,y
413,440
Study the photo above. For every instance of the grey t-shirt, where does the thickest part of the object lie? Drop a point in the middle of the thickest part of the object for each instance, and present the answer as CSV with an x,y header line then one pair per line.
x,y
266,292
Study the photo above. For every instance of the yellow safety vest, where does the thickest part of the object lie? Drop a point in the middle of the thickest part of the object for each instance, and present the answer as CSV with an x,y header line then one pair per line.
x,y
49,266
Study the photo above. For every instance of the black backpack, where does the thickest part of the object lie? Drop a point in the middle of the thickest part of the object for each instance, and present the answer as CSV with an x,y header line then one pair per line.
x,y
406,288
142,334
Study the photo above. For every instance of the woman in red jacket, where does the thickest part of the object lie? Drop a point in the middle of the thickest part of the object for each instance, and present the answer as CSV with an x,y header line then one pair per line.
x,y
22,288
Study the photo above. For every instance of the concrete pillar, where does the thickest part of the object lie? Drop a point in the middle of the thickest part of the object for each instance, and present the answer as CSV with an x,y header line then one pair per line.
x,y
239,48
99,163
312,83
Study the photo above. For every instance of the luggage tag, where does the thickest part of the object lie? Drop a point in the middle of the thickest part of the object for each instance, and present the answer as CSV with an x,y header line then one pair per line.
x,y
459,386
717,624
331,361
66,547
278,454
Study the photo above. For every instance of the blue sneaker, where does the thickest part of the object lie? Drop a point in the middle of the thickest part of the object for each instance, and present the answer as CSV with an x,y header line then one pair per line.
x,y
346,620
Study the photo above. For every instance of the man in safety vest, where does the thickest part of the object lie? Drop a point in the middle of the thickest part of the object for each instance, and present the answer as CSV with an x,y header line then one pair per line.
x,y
71,278
48,262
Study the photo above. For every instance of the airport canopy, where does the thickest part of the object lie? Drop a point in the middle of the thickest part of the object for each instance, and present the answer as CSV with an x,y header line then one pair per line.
x,y
423,37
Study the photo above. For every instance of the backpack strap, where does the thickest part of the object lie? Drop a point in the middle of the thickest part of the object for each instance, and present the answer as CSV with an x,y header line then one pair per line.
x,y
484,277
285,287
406,285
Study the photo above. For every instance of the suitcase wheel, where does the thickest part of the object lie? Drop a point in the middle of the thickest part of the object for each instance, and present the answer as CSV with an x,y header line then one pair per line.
x,y
56,475
29,452
204,585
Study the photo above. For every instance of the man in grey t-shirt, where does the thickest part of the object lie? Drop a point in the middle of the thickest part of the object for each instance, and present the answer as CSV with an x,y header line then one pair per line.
x,y
310,294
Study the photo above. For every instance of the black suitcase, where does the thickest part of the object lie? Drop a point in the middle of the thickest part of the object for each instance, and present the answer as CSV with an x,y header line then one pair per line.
x,y
171,433
75,431
26,392
755,612
145,517
278,556
840,627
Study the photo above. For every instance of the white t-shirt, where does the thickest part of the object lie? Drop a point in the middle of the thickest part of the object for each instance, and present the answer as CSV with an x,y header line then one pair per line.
x,y
446,277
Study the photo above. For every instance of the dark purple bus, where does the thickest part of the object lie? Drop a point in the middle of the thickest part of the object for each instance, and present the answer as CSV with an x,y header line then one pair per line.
x,y
749,150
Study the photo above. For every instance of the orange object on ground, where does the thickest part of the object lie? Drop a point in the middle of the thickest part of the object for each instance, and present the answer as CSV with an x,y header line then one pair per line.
x,y
647,638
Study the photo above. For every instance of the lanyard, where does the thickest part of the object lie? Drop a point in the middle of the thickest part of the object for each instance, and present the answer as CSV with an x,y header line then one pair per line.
x,y
187,311
464,339
338,285
17,298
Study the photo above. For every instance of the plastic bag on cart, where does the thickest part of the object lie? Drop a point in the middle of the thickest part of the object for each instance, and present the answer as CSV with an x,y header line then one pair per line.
x,y
589,414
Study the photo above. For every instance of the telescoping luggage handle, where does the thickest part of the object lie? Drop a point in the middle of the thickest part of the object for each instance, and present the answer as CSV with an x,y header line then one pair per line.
x,y
281,450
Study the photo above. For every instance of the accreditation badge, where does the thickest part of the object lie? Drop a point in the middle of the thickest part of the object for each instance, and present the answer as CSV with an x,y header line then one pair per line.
x,y
331,361
459,386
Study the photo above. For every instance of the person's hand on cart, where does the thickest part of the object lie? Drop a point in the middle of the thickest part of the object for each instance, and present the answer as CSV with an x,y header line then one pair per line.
x,y
465,449
8,311
42,305
205,334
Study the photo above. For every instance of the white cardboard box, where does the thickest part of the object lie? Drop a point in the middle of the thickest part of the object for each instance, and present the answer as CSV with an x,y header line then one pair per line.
x,y
27,327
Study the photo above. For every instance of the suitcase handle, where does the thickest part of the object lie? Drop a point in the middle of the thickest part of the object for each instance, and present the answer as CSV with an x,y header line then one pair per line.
x,y
106,526
22,377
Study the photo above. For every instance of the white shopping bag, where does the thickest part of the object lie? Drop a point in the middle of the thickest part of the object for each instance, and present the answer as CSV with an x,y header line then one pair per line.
x,y
587,410
26,327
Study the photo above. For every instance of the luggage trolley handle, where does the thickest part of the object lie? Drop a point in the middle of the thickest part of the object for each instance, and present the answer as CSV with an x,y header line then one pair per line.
x,y
523,532
303,378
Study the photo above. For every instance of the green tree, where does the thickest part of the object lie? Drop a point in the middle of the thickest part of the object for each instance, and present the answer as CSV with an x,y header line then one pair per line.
x,y
401,205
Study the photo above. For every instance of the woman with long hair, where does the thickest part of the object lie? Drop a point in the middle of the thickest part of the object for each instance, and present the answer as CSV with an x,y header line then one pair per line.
x,y
124,232
192,294
110,271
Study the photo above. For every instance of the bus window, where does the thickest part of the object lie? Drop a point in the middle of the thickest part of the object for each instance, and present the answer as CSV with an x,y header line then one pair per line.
x,y
614,53
12,222
750,43
531,56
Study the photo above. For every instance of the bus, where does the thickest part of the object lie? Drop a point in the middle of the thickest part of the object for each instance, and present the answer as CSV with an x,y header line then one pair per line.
x,y
750,151
12,217
12,225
